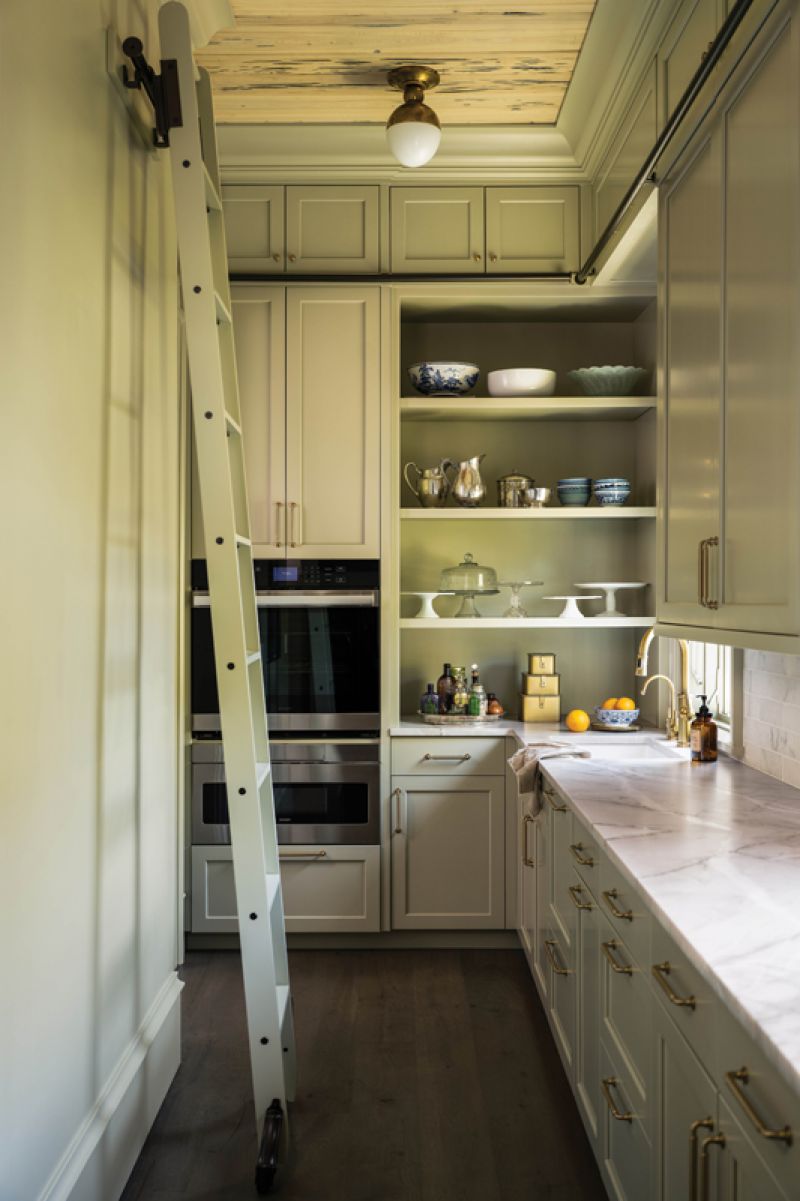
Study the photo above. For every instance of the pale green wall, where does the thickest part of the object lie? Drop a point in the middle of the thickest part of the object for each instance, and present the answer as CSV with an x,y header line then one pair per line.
x,y
90,552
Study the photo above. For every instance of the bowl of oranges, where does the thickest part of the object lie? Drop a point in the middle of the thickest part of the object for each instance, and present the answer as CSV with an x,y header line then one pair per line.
x,y
617,712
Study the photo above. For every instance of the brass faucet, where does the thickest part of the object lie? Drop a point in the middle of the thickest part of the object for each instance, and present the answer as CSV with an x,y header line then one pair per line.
x,y
671,727
684,709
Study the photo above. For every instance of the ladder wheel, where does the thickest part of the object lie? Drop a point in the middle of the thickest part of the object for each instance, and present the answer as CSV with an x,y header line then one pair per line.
x,y
267,1162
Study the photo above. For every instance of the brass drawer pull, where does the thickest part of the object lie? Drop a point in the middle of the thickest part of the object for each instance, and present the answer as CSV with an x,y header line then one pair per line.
x,y
558,808
713,1140
735,1081
610,897
700,1124
574,890
660,972
302,854
607,1085
278,522
577,854
398,792
710,542
549,943
526,859
451,758
624,969
701,572
293,507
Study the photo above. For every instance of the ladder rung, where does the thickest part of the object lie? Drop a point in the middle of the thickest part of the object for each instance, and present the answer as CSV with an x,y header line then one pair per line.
x,y
253,657
232,424
223,313
283,1002
242,541
262,771
212,196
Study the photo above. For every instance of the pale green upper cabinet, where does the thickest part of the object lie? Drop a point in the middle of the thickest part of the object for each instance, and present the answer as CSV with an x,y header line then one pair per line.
x,y
628,151
437,230
532,229
254,224
332,230
692,29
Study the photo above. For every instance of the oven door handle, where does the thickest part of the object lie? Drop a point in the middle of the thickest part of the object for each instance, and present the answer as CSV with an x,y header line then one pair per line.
x,y
302,600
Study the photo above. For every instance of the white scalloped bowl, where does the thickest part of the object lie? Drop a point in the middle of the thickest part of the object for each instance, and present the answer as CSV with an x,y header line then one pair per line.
x,y
608,380
521,381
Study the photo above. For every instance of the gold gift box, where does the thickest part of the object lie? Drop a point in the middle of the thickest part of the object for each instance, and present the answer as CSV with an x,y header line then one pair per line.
x,y
541,665
540,685
540,708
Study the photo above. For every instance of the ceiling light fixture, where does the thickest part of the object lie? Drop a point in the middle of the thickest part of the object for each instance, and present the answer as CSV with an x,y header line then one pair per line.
x,y
413,130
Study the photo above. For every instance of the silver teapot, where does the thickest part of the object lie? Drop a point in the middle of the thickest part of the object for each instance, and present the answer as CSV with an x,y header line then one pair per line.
x,y
433,485
468,486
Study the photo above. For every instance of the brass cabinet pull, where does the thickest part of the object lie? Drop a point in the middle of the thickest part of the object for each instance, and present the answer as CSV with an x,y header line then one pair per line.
x,y
302,854
610,897
492,258
426,758
549,943
293,507
713,1140
660,972
398,829
573,891
526,859
277,258
624,969
701,571
476,257
292,258
735,1081
710,542
558,808
577,853
278,522
700,1124
607,1085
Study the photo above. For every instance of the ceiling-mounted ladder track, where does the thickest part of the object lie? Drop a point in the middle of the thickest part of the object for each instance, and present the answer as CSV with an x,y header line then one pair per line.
x,y
221,480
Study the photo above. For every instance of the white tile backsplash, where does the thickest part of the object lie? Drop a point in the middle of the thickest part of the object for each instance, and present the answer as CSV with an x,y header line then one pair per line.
x,y
771,720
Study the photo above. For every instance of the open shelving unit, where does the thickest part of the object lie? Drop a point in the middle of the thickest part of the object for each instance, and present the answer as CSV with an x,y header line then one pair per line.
x,y
548,438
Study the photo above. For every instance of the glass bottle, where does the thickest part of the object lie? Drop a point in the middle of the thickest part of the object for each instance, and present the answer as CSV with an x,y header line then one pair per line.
x,y
429,702
703,735
461,694
477,695
445,687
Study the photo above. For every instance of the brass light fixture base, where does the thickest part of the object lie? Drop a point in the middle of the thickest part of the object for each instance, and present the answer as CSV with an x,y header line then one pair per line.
x,y
423,77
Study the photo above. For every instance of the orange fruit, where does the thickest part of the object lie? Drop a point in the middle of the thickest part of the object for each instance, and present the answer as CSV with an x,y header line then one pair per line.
x,y
577,720
611,703
625,702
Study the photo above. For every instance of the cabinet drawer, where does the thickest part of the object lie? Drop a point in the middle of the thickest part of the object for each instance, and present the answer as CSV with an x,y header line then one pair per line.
x,y
563,992
625,1150
758,1096
626,1008
586,855
684,994
449,756
621,904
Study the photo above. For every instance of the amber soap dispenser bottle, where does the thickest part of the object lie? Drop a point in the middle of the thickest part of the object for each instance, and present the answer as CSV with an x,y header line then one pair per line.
x,y
703,737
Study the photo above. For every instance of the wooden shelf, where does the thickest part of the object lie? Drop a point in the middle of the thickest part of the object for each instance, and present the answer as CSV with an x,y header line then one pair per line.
x,y
565,513
538,408
525,623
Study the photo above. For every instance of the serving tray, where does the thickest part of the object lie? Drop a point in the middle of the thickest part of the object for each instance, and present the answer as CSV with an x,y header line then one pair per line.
x,y
458,719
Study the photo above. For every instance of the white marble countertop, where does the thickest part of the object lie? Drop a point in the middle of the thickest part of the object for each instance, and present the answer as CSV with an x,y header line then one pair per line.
x,y
715,851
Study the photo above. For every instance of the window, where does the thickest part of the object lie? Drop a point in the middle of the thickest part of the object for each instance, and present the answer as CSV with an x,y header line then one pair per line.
x,y
711,672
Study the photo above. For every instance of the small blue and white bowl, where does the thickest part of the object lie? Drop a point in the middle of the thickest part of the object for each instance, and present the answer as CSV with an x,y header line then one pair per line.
x,y
615,717
612,491
445,378
576,490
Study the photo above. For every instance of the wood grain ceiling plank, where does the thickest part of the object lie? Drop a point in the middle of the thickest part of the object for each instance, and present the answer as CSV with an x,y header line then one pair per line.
x,y
299,10
242,106
457,73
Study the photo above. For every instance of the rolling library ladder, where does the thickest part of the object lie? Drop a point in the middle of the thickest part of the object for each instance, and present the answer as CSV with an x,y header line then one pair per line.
x,y
220,466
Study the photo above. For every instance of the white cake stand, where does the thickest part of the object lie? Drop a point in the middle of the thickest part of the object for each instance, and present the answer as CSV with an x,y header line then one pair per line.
x,y
426,608
571,612
610,589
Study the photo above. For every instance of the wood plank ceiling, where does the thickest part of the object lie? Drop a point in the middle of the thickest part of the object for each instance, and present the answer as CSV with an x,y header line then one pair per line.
x,y
502,62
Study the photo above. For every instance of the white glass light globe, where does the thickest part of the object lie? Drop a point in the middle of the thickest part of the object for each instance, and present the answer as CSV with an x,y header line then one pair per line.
x,y
413,143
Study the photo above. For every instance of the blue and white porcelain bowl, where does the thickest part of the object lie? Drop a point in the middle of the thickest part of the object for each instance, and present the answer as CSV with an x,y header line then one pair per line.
x,y
576,490
612,491
615,717
444,379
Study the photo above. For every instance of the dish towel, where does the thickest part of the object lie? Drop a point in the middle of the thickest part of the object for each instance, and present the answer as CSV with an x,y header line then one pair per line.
x,y
525,766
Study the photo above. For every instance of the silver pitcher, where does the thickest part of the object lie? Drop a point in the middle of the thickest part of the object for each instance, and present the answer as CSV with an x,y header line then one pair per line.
x,y
468,487
433,485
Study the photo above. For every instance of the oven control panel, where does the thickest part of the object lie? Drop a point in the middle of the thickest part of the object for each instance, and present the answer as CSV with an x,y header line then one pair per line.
x,y
303,575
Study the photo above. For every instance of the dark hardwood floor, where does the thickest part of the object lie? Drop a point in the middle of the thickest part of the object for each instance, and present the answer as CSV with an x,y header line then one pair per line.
x,y
423,1076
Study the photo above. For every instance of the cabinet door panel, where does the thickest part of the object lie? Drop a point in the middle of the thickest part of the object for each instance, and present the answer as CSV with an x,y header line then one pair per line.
x,y
532,229
741,1174
684,1097
691,230
542,871
625,1150
448,858
259,337
526,904
761,503
253,227
333,421
337,892
563,988
332,229
681,51
437,229
626,1027
587,1061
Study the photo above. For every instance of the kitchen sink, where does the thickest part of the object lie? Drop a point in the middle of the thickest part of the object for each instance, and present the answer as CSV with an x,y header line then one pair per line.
x,y
637,752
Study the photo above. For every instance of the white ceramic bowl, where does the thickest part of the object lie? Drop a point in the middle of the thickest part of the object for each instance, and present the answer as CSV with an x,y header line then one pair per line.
x,y
521,381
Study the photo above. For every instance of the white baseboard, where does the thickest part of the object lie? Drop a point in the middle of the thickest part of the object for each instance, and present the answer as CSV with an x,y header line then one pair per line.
x,y
99,1160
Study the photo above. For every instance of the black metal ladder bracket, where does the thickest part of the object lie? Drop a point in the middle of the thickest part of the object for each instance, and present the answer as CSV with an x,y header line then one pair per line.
x,y
161,90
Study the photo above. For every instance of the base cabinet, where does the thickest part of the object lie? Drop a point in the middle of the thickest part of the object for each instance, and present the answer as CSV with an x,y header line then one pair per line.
x,y
330,889
448,852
